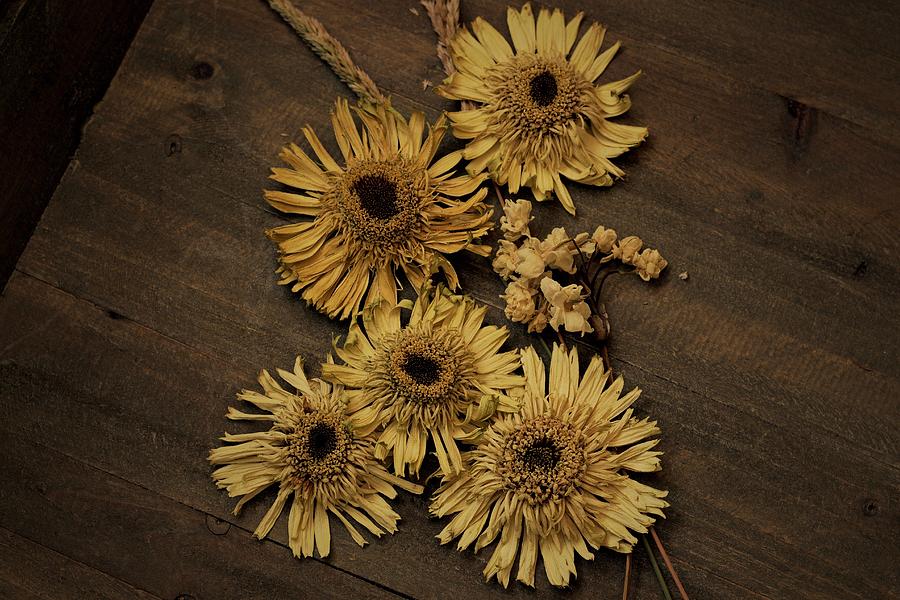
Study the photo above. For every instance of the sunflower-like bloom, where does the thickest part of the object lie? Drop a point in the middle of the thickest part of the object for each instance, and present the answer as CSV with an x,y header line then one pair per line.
x,y
539,116
440,376
390,206
314,453
553,479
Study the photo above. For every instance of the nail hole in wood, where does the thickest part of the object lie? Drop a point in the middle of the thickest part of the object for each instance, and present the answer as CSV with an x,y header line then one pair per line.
x,y
202,70
217,526
870,508
173,144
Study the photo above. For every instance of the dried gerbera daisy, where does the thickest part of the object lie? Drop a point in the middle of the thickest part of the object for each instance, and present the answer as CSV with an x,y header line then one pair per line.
x,y
554,478
314,452
440,376
539,116
391,205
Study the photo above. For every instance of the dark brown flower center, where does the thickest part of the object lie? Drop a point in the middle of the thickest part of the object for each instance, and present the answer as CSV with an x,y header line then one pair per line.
x,y
423,370
543,88
377,196
322,441
542,458
542,454
424,366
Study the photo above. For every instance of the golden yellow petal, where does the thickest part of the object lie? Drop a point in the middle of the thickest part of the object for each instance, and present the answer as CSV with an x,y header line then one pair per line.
x,y
600,63
544,33
323,531
572,31
587,48
495,44
522,29
268,520
357,537
293,203
323,155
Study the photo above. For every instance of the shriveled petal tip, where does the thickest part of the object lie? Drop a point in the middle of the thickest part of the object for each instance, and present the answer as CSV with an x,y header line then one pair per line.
x,y
522,29
495,44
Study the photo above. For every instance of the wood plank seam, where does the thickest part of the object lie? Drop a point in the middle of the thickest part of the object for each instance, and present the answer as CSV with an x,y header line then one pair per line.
x,y
83,564
193,508
633,43
874,457
868,452
227,518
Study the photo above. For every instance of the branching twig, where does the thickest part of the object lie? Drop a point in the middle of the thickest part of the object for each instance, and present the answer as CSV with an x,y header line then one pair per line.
x,y
329,50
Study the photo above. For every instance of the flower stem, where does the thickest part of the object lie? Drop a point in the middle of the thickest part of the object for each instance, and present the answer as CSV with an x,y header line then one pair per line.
x,y
659,576
605,354
584,260
596,288
665,557
627,584
545,347
499,195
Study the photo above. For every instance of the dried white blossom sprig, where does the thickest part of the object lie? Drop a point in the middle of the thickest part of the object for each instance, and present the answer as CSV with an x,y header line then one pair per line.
x,y
557,280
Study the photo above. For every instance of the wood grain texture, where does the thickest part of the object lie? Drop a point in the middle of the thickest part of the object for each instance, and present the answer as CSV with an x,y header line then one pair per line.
x,y
32,571
142,537
147,295
56,60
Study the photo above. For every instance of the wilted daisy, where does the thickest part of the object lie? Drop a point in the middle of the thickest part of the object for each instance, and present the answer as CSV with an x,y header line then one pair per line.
x,y
553,480
539,116
390,206
316,456
438,377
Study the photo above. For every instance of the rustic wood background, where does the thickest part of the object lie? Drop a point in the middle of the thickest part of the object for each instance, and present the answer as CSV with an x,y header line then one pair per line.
x,y
56,61
146,298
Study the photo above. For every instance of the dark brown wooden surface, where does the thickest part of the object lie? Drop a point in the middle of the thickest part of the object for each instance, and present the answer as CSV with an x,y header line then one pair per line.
x,y
57,58
146,298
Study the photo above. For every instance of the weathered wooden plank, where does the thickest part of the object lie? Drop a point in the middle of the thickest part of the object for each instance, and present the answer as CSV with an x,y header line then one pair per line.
x,y
29,570
148,409
56,60
141,537
775,247
748,502
831,56
772,368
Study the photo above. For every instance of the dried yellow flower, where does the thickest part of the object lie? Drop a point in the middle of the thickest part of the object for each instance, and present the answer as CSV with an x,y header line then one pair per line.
x,y
530,259
314,452
568,310
506,259
538,116
519,302
627,248
439,377
391,207
604,238
553,480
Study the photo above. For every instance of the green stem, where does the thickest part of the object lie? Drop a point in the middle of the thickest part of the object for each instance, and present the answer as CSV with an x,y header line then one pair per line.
x,y
659,576
546,348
